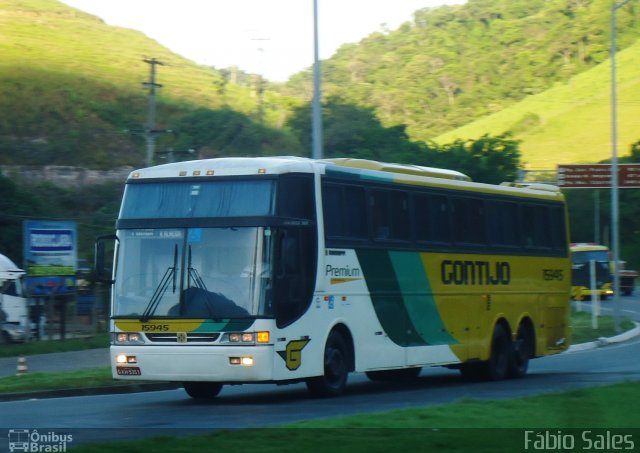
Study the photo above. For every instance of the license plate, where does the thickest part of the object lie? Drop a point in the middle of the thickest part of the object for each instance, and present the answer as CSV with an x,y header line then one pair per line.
x,y
128,371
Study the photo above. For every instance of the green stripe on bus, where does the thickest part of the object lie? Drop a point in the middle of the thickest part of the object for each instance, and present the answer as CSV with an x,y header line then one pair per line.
x,y
418,298
386,297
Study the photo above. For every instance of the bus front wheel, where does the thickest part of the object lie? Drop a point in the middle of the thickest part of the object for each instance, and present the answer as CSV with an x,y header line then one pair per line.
x,y
202,390
336,368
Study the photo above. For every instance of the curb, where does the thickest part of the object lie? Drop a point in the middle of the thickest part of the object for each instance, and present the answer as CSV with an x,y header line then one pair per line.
x,y
602,341
110,390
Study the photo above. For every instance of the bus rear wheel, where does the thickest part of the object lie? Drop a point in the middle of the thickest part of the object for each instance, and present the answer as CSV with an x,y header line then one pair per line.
x,y
521,352
497,366
202,390
336,369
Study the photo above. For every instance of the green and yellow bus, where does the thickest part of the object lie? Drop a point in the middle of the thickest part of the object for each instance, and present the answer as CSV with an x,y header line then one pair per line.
x,y
582,254
286,269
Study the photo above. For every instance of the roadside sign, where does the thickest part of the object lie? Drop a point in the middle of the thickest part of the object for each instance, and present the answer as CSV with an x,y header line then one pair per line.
x,y
589,176
50,255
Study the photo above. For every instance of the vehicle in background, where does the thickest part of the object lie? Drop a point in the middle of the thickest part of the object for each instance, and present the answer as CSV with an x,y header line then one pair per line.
x,y
581,255
13,302
627,279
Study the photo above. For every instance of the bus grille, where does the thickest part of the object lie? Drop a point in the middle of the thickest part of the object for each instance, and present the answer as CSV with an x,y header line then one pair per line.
x,y
191,337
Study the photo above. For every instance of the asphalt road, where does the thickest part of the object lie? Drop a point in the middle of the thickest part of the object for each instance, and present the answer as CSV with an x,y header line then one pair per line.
x,y
164,412
172,412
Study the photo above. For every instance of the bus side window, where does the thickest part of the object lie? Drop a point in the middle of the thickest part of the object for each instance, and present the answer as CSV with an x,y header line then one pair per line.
x,y
294,274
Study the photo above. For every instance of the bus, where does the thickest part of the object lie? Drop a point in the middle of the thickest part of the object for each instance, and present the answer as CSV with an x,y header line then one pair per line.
x,y
581,256
288,269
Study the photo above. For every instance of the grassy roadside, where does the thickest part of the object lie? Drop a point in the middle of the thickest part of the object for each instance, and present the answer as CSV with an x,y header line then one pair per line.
x,y
583,332
430,428
48,346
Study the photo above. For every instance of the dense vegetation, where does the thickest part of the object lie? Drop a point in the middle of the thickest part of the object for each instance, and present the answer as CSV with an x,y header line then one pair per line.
x,y
454,64
573,119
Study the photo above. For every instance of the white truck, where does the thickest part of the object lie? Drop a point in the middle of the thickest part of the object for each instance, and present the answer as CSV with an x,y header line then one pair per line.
x,y
14,310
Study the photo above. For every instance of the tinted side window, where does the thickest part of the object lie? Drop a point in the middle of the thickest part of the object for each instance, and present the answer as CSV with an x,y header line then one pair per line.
x,y
502,221
558,233
295,197
431,217
535,226
344,209
390,213
468,221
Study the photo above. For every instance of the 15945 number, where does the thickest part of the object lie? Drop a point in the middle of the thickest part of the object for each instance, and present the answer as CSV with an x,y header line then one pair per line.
x,y
552,274
155,328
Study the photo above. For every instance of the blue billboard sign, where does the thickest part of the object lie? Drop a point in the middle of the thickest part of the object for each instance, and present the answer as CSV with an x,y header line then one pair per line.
x,y
50,256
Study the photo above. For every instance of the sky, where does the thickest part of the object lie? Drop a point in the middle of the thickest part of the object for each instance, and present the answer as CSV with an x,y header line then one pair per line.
x,y
269,37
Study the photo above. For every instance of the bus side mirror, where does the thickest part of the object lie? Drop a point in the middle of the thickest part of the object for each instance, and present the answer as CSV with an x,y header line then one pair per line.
x,y
103,271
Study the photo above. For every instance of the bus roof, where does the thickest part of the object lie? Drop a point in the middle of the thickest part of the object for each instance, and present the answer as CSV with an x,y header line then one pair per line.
x,y
345,167
588,247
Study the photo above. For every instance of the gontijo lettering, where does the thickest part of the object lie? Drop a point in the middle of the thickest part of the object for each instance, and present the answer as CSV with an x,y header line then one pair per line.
x,y
475,272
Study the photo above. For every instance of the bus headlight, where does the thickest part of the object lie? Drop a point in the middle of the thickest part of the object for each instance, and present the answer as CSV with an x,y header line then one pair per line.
x,y
128,338
122,359
246,337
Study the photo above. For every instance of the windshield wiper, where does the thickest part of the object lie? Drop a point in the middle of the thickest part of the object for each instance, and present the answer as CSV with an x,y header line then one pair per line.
x,y
169,276
194,275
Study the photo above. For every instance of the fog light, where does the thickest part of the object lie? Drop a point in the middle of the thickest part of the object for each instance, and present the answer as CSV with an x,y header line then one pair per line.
x,y
234,360
121,358
247,361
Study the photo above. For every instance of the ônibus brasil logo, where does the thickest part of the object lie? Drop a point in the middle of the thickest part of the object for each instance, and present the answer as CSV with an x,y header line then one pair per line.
x,y
28,440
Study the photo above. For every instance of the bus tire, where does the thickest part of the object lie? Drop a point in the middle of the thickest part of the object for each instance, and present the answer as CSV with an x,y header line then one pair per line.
x,y
403,374
521,351
336,368
202,390
497,366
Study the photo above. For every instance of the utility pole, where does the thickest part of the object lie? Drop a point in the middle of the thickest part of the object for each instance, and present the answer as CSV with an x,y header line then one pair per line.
x,y
260,80
150,131
316,106
615,233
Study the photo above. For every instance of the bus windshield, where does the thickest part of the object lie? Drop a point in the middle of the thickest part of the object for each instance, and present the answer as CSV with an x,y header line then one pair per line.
x,y
599,256
212,273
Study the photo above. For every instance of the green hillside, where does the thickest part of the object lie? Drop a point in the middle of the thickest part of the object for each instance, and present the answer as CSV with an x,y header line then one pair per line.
x,y
571,122
71,91
452,65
